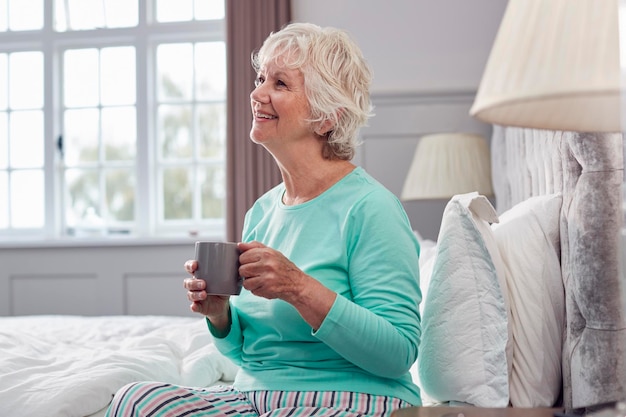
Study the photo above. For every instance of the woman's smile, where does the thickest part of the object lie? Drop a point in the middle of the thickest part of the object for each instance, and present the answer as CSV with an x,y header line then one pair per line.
x,y
264,116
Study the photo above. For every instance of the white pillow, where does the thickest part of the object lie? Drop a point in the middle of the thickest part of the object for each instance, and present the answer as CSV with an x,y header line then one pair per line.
x,y
528,240
463,353
484,214
428,252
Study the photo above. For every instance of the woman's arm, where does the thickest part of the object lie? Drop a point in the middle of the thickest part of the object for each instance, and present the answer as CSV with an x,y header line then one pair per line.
x,y
377,326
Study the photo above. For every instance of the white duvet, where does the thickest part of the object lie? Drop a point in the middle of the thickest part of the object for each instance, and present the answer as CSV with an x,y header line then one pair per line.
x,y
71,366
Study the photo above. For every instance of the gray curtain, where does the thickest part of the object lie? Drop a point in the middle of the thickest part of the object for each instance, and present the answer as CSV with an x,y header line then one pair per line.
x,y
250,169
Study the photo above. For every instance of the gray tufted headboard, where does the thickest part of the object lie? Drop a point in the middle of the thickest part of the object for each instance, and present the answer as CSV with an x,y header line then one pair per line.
x,y
588,169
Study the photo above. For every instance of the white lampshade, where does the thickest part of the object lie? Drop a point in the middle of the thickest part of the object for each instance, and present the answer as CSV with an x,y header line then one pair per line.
x,y
447,164
555,64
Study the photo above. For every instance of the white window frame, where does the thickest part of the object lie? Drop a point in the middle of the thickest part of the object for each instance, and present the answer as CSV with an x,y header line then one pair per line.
x,y
145,37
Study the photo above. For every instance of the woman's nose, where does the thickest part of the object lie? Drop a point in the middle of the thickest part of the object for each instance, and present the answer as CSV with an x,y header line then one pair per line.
x,y
258,94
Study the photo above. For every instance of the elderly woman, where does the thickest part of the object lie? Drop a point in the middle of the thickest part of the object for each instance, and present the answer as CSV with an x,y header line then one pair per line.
x,y
327,322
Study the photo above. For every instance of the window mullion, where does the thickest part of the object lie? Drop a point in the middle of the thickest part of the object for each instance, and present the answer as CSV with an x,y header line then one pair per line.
x,y
53,201
145,212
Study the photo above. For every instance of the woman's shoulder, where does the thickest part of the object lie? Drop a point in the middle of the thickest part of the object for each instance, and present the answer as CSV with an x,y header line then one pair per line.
x,y
367,187
272,193
268,200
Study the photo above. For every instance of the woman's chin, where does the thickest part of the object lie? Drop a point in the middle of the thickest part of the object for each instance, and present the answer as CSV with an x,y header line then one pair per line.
x,y
257,137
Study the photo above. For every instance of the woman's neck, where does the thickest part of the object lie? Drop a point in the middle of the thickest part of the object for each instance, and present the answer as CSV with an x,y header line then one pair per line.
x,y
309,180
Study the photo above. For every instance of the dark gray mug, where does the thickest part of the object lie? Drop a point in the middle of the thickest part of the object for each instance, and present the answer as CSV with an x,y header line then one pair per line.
x,y
218,266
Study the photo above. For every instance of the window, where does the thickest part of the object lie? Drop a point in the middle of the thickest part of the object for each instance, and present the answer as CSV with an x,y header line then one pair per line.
x,y
112,117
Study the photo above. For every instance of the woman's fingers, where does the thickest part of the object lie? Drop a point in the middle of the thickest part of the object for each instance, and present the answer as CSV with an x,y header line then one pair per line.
x,y
191,266
194,284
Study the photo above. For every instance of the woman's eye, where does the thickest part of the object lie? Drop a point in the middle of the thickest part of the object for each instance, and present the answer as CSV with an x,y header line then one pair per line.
x,y
260,80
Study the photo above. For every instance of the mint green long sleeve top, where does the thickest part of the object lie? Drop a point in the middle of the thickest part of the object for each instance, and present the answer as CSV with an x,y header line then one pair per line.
x,y
356,239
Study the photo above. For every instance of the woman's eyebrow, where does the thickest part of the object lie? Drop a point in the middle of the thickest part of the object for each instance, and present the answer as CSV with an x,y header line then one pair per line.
x,y
279,74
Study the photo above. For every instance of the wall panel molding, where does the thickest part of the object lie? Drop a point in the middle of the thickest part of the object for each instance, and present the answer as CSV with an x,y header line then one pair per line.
x,y
53,293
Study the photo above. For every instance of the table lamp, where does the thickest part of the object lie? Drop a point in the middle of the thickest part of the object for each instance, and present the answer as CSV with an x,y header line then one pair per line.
x,y
554,65
446,164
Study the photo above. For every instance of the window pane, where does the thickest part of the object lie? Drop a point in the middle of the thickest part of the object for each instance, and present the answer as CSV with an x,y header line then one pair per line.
x,y
175,131
26,139
212,131
177,200
85,14
81,136
174,10
27,199
118,75
80,78
93,14
4,196
60,16
209,9
213,191
26,80
4,81
4,22
120,190
121,13
25,14
4,141
210,68
119,133
185,10
175,71
82,205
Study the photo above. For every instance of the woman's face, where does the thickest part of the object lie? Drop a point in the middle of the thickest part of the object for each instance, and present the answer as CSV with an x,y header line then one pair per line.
x,y
280,108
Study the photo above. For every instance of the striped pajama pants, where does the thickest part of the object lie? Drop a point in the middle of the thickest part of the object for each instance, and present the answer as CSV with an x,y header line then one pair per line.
x,y
165,400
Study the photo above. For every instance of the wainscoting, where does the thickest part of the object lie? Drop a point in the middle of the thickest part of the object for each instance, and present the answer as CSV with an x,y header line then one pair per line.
x,y
95,279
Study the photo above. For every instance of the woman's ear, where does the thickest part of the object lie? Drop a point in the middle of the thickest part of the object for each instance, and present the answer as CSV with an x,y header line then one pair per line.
x,y
327,125
324,127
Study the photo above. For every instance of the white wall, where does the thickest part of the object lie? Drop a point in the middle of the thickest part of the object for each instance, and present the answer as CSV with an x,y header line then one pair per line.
x,y
427,57
415,45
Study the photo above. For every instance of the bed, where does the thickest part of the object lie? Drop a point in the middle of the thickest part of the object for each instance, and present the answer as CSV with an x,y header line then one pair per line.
x,y
522,302
72,365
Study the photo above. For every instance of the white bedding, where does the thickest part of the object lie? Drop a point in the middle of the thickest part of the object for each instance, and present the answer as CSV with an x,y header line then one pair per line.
x,y
71,365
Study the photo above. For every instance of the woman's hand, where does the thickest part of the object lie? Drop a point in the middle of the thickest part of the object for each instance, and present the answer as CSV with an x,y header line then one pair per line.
x,y
214,307
268,273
